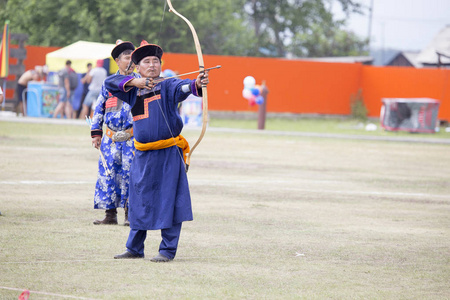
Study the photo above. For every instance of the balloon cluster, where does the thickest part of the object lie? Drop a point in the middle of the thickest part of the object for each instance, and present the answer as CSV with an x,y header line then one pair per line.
x,y
252,91
168,73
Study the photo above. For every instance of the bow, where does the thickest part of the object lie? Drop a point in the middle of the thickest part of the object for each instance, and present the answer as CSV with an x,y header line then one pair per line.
x,y
201,70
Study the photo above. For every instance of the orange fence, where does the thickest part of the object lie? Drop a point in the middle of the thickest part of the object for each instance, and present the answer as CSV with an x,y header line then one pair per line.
x,y
306,87
303,87
403,82
35,57
294,86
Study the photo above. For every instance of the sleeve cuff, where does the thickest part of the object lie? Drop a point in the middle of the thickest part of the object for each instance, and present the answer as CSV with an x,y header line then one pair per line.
x,y
96,132
124,82
194,89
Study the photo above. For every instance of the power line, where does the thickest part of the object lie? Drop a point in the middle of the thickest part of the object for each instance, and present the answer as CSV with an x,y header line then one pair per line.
x,y
392,18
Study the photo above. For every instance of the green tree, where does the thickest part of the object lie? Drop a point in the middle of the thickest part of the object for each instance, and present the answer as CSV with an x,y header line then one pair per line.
x,y
232,27
323,41
281,26
62,22
219,28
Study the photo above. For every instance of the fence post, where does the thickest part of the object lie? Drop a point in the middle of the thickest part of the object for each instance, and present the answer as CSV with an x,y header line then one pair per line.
x,y
262,107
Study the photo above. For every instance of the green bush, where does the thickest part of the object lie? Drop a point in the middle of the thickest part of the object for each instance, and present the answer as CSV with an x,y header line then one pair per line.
x,y
358,108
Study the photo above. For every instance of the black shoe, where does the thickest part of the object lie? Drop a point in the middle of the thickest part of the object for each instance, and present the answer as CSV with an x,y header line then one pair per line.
x,y
160,258
127,255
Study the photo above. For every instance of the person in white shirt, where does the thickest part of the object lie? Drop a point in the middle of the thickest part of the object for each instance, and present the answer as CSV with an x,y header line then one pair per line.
x,y
95,78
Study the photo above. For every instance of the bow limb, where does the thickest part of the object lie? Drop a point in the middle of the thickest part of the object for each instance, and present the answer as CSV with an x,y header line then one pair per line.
x,y
204,91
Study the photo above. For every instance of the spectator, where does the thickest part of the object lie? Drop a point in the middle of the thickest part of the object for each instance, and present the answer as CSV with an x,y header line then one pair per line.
x,y
36,74
67,83
85,83
95,78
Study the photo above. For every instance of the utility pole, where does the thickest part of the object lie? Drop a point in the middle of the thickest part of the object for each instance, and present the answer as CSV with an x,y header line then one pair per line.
x,y
369,34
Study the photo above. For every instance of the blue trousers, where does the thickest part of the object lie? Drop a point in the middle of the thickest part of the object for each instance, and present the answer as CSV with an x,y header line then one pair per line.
x,y
168,246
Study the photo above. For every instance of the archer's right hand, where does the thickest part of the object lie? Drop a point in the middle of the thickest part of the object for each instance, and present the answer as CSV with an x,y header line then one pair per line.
x,y
96,141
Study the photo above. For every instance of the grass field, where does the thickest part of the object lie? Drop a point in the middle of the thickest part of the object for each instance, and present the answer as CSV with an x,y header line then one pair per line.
x,y
275,217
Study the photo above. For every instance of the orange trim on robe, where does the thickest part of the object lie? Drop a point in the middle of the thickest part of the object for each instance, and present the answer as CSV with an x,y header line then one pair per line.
x,y
146,102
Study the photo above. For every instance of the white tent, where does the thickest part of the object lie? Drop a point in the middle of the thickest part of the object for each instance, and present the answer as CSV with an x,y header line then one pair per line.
x,y
80,53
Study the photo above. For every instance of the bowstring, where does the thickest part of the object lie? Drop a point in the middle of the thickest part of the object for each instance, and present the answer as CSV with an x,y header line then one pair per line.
x,y
161,23
157,100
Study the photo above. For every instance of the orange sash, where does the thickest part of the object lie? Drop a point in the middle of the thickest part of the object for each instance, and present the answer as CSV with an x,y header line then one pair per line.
x,y
179,141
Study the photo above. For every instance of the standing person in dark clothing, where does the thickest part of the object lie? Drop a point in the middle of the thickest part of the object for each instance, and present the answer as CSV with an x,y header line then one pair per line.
x,y
85,83
159,190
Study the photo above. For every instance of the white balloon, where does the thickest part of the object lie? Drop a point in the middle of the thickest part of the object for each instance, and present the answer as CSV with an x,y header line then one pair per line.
x,y
247,94
249,82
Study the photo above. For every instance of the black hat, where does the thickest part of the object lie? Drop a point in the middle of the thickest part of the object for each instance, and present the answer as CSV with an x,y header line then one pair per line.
x,y
145,50
120,47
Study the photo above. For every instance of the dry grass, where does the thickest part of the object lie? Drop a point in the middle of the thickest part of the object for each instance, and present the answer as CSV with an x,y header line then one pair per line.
x,y
275,217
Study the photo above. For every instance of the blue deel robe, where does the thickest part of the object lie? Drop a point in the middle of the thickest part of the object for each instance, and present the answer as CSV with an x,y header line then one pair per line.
x,y
111,191
159,190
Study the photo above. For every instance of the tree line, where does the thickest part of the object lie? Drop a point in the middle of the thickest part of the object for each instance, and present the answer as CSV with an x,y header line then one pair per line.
x,y
271,28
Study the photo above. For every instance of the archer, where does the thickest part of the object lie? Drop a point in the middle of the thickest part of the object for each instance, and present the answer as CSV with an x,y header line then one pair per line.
x,y
159,191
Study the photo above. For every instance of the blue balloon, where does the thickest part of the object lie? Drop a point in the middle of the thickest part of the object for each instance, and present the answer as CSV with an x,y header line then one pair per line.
x,y
169,73
255,91
259,100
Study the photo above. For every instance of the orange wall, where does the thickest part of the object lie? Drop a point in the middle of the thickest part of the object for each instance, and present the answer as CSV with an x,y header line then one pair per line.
x,y
294,86
403,82
306,87
302,87
35,57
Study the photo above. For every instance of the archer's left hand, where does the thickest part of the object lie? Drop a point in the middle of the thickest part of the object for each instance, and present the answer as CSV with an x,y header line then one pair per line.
x,y
202,79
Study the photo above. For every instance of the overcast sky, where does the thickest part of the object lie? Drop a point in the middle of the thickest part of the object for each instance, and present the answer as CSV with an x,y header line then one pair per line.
x,y
401,24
